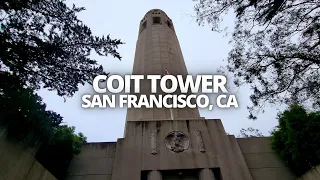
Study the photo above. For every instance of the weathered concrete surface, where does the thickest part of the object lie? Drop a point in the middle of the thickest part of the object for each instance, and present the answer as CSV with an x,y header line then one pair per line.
x,y
95,162
237,159
158,49
262,161
133,153
19,163
313,174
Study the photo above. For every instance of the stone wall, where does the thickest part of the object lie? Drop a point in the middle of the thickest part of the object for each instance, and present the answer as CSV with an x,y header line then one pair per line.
x,y
146,148
95,162
133,157
313,174
262,161
19,163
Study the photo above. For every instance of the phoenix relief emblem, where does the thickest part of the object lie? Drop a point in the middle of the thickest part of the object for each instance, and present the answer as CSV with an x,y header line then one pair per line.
x,y
177,141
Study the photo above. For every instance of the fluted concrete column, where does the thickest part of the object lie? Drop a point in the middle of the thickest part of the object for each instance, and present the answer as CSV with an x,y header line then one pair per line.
x,y
154,175
158,50
206,174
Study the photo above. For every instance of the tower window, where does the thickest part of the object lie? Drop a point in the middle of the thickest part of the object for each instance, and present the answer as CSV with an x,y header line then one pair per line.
x,y
143,26
156,20
170,25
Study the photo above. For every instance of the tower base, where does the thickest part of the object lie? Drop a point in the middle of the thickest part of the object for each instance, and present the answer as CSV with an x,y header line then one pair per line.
x,y
184,149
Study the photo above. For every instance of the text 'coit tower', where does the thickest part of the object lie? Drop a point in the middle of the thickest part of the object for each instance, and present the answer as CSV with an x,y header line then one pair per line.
x,y
158,51
172,144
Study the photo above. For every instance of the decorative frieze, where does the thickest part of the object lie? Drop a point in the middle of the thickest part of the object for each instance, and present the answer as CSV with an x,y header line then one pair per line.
x,y
199,141
154,149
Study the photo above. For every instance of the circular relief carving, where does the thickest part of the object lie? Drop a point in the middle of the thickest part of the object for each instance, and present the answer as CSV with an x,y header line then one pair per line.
x,y
177,141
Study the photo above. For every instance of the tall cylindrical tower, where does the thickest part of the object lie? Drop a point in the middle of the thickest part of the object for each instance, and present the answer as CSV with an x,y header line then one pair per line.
x,y
158,50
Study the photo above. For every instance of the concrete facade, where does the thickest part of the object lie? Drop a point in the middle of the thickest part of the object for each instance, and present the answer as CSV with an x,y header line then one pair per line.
x,y
133,154
312,174
262,161
164,144
158,49
222,156
18,162
94,162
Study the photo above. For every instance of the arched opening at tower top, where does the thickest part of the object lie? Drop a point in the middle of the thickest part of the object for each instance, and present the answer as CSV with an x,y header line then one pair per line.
x,y
156,20
143,26
170,25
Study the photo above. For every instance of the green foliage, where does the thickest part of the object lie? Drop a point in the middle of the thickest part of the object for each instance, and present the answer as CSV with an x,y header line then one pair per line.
x,y
27,121
45,45
23,112
297,139
276,48
56,154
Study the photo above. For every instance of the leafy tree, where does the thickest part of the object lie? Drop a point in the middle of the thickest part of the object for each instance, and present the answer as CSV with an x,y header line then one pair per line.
x,y
297,138
249,132
56,155
276,48
23,113
26,119
46,45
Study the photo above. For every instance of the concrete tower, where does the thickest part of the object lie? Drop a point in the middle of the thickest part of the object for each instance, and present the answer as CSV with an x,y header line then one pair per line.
x,y
164,144
158,50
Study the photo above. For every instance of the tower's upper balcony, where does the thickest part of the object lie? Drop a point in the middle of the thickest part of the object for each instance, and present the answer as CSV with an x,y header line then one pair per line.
x,y
155,17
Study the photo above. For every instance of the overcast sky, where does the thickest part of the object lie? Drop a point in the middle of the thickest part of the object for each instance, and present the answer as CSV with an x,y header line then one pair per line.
x,y
203,50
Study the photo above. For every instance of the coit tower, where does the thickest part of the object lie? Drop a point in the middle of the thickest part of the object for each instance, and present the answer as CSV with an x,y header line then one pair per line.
x,y
158,52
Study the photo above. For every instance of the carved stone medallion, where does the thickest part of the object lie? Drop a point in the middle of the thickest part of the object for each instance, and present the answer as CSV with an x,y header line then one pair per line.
x,y
177,141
